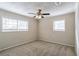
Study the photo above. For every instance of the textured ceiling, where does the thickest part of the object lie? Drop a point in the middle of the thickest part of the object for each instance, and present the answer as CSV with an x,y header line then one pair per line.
x,y
24,8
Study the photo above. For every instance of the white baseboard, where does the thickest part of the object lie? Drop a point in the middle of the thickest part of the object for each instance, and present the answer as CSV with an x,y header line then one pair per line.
x,y
57,43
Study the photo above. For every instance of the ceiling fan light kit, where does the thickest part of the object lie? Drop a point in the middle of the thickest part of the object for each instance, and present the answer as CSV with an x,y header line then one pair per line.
x,y
38,17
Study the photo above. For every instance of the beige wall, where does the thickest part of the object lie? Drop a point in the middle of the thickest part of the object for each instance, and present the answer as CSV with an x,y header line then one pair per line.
x,y
77,28
46,32
9,39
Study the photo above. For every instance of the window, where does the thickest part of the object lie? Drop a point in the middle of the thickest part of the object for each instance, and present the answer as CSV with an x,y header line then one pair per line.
x,y
59,25
9,25
22,25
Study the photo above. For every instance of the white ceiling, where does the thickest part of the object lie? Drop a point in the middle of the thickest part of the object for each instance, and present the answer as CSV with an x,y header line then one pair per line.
x,y
24,8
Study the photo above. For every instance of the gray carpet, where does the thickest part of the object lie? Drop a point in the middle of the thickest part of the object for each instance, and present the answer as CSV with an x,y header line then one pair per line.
x,y
39,48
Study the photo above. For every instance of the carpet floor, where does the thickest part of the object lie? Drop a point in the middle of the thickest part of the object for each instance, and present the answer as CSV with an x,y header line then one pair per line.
x,y
39,48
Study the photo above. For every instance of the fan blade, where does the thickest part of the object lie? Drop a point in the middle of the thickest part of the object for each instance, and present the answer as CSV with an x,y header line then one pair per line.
x,y
32,13
46,14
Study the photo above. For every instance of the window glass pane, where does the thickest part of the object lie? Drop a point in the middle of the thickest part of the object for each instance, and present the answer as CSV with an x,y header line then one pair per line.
x,y
22,25
9,24
59,25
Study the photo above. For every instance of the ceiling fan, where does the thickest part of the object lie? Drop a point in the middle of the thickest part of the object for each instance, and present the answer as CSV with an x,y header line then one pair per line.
x,y
39,14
